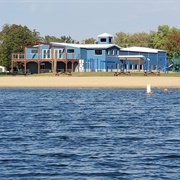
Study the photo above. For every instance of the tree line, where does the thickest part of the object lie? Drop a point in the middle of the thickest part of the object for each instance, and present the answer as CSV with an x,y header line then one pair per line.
x,y
14,37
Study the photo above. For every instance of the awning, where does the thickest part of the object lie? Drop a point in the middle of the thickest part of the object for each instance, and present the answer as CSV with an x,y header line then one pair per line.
x,y
132,57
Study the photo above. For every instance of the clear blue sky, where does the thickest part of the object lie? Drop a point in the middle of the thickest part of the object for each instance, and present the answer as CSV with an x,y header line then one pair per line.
x,y
82,19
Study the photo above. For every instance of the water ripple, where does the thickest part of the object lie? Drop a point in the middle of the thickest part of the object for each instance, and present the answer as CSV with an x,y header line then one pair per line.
x,y
89,134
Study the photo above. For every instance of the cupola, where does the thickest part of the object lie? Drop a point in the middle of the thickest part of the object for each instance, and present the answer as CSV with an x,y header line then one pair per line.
x,y
105,38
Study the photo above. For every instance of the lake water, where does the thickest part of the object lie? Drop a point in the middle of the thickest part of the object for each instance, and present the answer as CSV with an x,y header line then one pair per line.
x,y
89,134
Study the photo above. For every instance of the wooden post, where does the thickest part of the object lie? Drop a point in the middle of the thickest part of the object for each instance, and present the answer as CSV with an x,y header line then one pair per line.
x,y
39,67
38,51
25,66
55,61
72,68
66,66
12,65
52,67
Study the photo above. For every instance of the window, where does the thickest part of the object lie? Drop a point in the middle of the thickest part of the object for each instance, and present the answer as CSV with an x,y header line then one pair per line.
x,y
98,52
46,54
42,66
110,39
130,66
103,39
70,51
108,52
116,52
58,53
34,51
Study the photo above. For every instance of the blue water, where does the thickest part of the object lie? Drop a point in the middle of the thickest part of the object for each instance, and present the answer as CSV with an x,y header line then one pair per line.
x,y
89,134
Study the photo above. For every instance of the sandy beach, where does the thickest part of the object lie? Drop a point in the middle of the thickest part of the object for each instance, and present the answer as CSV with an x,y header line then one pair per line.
x,y
88,82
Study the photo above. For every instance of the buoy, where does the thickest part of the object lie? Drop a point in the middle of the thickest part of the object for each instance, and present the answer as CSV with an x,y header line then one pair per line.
x,y
148,89
165,89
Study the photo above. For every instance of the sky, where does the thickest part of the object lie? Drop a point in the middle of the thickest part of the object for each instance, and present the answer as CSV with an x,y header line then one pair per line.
x,y
83,19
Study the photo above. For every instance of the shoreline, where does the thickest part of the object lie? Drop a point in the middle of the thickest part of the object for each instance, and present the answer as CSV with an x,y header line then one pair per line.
x,y
88,82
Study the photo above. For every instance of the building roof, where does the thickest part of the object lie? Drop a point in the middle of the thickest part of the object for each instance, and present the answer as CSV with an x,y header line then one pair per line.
x,y
86,46
141,49
105,35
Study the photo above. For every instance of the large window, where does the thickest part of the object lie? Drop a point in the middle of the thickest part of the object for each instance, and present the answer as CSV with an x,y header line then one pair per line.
x,y
70,51
46,54
98,52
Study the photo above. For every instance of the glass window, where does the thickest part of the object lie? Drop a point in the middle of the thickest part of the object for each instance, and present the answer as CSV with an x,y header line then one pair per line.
x,y
58,53
98,52
34,51
46,54
108,52
130,66
117,52
110,39
103,39
70,51
42,66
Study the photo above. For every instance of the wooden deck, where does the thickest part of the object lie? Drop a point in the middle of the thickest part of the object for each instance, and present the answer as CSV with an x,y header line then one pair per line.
x,y
20,58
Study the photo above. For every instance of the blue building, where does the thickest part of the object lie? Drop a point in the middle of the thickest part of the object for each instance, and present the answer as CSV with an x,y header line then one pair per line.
x,y
103,55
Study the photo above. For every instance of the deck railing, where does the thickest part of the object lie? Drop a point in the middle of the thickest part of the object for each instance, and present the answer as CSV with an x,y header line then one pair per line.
x,y
18,56
35,56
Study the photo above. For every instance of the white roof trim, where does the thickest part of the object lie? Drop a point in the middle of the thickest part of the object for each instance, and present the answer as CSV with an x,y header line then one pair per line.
x,y
141,49
87,46
105,35
131,57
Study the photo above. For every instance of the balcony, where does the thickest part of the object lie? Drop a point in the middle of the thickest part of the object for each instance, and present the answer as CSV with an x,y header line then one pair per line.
x,y
18,56
63,56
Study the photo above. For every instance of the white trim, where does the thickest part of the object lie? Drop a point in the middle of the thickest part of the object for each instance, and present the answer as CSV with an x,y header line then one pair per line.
x,y
105,35
142,49
87,46
131,57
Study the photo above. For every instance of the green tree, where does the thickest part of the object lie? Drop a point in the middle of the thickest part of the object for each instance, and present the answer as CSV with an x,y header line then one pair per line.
x,y
13,38
68,39
139,39
122,39
159,38
49,39
172,44
136,39
89,41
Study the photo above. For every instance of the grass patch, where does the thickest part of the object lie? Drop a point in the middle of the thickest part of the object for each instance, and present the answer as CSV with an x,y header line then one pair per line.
x,y
106,74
